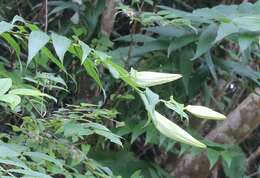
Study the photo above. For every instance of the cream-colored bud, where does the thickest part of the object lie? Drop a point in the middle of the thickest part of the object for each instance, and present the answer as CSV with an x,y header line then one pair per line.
x,y
147,79
204,112
173,131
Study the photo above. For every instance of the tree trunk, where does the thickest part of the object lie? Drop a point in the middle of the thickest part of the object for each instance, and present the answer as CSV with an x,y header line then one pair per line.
x,y
108,17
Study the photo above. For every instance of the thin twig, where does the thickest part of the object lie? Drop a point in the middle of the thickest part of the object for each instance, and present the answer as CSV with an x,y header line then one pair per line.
x,y
132,31
185,5
45,15
18,8
253,157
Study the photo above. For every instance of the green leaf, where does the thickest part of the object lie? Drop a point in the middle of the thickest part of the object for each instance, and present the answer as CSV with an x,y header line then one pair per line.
x,y
213,157
112,137
135,38
240,69
11,41
169,31
5,27
118,71
51,77
237,166
61,45
245,41
12,99
186,67
227,156
62,6
48,53
180,42
29,172
250,23
42,156
176,107
15,162
6,152
226,29
30,92
92,71
75,129
85,51
152,98
206,40
137,174
5,85
211,65
151,134
37,40
137,131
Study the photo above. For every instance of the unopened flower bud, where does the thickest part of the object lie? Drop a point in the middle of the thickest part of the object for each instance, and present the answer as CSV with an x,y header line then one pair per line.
x,y
147,79
173,131
204,112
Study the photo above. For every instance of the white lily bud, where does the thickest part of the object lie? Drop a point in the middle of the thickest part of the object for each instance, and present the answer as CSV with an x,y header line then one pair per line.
x,y
204,112
147,79
173,131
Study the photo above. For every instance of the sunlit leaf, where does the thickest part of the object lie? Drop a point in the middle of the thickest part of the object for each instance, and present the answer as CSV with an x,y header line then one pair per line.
x,y
37,40
5,27
61,45
5,85
85,51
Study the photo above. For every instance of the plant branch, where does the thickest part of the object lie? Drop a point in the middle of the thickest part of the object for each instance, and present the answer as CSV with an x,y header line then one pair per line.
x,y
45,4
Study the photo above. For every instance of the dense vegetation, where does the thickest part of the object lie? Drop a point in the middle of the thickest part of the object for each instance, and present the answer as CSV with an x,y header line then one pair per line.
x,y
118,89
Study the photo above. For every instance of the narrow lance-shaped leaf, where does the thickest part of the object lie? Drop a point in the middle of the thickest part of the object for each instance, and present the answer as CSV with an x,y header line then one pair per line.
x,y
37,40
48,53
12,42
43,156
180,42
245,40
186,67
206,40
29,173
226,29
250,23
13,163
61,45
30,92
85,51
211,66
92,71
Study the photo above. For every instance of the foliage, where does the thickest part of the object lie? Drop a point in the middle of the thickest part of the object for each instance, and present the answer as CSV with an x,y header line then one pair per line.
x,y
60,122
